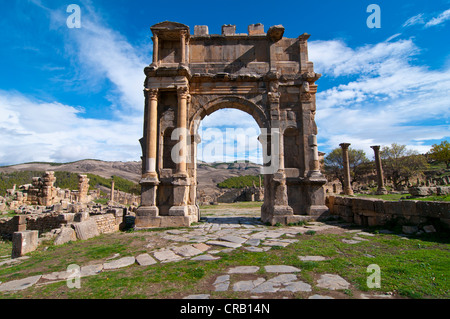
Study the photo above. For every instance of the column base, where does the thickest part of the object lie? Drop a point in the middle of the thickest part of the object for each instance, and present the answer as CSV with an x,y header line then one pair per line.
x,y
178,211
318,211
381,191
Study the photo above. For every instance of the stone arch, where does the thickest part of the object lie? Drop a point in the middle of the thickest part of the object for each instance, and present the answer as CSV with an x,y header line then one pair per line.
x,y
229,102
193,75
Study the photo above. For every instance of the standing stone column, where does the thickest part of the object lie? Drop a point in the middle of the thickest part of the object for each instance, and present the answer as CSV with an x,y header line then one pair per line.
x,y
151,134
380,179
183,46
83,188
347,182
181,123
155,50
315,164
111,196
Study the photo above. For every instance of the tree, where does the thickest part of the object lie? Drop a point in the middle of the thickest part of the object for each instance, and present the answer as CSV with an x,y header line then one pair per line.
x,y
334,164
400,164
441,152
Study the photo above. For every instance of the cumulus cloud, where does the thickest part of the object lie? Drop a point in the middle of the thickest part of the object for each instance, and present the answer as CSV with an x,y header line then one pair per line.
x,y
40,131
229,135
387,99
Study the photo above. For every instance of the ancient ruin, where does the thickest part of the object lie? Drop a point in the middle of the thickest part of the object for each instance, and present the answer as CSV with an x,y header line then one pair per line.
x,y
261,73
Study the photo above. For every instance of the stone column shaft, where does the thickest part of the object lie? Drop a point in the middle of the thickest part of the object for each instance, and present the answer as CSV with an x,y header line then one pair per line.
x,y
347,182
181,123
183,47
152,129
111,196
155,49
380,180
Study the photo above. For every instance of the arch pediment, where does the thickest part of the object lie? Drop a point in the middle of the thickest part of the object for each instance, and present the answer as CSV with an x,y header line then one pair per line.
x,y
169,25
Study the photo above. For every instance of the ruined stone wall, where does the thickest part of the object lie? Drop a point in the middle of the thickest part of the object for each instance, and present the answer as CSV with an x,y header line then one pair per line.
x,y
377,212
8,226
107,221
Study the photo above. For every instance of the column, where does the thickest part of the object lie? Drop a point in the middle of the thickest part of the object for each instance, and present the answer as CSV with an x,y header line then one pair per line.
x,y
183,46
381,189
155,49
315,164
181,123
347,185
111,196
151,133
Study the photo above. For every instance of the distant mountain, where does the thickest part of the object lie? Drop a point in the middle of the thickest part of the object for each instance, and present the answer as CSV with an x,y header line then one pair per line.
x,y
208,174
127,170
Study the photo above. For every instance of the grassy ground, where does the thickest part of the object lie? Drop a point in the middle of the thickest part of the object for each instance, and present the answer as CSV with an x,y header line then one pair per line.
x,y
394,197
410,268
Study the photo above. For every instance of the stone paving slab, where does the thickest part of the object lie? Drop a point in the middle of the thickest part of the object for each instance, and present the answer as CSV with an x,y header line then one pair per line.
x,y
166,255
145,260
20,284
199,296
312,258
297,286
350,241
319,297
119,263
233,239
187,251
205,257
223,243
247,285
332,282
90,270
281,269
243,270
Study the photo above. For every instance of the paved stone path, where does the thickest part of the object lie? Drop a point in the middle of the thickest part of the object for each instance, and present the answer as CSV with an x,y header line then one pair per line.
x,y
222,234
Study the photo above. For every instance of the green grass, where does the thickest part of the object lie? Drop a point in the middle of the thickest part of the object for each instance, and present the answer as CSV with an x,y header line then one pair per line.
x,y
413,268
396,197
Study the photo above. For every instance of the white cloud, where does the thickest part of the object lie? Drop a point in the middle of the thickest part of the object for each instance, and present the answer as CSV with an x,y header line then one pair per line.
x,y
383,97
229,135
42,131
441,18
102,53
417,19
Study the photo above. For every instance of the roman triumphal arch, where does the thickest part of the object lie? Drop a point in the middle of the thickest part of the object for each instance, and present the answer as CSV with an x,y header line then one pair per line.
x,y
261,73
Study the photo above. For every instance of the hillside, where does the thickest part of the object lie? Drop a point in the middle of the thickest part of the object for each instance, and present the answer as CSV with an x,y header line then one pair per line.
x,y
208,174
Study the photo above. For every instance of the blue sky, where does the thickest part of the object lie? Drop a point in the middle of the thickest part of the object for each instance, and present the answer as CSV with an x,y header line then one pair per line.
x,y
69,94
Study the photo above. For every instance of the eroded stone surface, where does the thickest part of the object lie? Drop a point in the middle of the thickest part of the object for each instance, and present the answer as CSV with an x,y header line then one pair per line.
x,y
281,268
119,263
19,284
243,270
332,282
145,260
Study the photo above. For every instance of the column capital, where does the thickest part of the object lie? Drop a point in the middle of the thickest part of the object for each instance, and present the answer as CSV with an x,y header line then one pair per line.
x,y
274,97
183,92
344,145
152,93
375,147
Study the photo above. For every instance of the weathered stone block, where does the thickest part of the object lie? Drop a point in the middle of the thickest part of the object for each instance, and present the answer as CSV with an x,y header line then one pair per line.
x,y
201,30
24,242
66,235
86,229
228,29
254,29
81,216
